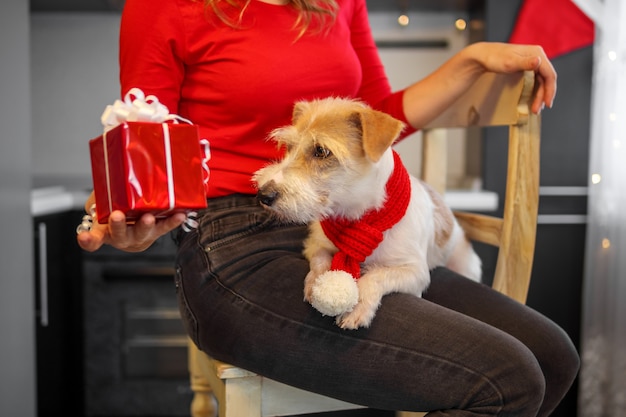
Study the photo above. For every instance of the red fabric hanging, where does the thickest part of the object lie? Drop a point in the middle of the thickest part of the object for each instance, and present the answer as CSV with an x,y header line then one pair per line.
x,y
559,26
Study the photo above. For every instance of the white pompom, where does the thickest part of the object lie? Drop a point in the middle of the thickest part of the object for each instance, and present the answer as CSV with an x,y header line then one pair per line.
x,y
334,293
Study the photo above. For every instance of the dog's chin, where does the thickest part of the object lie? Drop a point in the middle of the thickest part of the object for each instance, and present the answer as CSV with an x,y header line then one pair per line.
x,y
295,214
286,217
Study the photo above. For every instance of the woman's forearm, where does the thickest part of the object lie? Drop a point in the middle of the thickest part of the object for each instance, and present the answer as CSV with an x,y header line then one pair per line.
x,y
426,99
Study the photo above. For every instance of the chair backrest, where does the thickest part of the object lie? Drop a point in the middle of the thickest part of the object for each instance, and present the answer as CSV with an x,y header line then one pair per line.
x,y
498,100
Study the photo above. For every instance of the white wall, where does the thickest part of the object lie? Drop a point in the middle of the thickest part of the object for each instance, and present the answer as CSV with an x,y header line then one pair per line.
x,y
17,325
74,76
404,66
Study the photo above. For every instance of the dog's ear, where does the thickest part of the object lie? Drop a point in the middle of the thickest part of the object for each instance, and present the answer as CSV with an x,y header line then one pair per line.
x,y
298,109
379,131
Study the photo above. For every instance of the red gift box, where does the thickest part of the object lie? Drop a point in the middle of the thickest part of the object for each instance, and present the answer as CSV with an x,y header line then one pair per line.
x,y
142,167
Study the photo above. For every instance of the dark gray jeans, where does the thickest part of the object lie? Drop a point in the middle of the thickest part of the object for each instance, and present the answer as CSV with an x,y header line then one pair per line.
x,y
462,350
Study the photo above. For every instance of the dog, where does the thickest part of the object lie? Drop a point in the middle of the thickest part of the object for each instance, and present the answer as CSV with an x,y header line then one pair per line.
x,y
339,168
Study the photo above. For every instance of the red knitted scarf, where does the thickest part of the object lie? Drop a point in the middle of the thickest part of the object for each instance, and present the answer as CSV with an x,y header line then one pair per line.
x,y
357,239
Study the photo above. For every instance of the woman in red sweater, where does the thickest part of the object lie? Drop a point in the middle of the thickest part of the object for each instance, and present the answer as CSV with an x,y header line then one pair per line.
x,y
235,68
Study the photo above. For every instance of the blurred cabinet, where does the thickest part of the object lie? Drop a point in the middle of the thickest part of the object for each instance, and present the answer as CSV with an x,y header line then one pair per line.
x,y
135,343
58,304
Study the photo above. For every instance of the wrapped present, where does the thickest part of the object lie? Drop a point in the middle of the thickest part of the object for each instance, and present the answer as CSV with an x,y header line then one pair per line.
x,y
145,166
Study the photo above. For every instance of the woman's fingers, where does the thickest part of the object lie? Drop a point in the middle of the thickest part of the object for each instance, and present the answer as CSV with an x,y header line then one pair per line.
x,y
546,78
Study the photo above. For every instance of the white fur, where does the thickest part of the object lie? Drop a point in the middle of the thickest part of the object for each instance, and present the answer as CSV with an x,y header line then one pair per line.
x,y
309,190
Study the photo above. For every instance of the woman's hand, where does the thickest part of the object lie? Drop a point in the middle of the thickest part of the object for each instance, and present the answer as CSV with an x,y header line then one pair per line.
x,y
127,237
509,58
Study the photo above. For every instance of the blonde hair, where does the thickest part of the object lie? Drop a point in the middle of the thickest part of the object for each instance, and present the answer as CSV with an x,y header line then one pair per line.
x,y
308,10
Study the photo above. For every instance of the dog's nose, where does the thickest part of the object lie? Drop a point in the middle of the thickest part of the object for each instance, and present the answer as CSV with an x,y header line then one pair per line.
x,y
267,196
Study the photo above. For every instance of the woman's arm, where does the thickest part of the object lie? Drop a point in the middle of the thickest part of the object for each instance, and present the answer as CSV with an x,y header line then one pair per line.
x,y
426,99
421,102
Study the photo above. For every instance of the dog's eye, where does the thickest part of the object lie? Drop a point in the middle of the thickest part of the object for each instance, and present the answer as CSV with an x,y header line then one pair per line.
x,y
321,152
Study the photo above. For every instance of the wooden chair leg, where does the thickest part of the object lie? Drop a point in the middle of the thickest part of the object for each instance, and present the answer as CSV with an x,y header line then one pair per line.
x,y
203,403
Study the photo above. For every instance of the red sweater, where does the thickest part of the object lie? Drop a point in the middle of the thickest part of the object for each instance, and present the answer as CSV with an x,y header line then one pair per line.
x,y
240,84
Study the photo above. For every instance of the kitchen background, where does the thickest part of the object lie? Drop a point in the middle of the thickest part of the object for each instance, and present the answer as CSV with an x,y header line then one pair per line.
x,y
60,73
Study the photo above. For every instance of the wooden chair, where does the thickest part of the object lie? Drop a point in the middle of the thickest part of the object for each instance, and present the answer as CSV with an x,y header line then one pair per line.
x,y
495,100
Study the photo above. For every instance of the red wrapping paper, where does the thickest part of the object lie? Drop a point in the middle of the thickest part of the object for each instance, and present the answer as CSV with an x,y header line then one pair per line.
x,y
143,167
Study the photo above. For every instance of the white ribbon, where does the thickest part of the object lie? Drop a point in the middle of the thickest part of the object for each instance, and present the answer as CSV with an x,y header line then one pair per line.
x,y
191,222
205,162
168,165
87,222
136,107
107,171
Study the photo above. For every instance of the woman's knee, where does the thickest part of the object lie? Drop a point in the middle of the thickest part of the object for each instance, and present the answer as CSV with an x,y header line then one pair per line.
x,y
527,388
560,363
505,380
519,379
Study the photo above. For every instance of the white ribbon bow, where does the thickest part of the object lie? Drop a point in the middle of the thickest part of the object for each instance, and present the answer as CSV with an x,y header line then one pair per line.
x,y
136,107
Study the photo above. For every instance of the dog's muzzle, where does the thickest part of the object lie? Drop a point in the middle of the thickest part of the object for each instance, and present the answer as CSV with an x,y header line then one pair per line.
x,y
268,194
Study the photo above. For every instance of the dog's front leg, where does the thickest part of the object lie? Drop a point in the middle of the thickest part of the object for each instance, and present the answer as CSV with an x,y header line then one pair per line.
x,y
319,262
319,251
378,281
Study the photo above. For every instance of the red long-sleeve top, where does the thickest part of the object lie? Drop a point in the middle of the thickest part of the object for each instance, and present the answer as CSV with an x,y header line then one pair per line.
x,y
238,84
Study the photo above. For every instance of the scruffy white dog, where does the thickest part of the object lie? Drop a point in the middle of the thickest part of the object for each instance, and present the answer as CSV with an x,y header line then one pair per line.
x,y
374,229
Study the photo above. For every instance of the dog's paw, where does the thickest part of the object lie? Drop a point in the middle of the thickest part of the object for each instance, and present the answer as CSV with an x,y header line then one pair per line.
x,y
309,283
360,316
